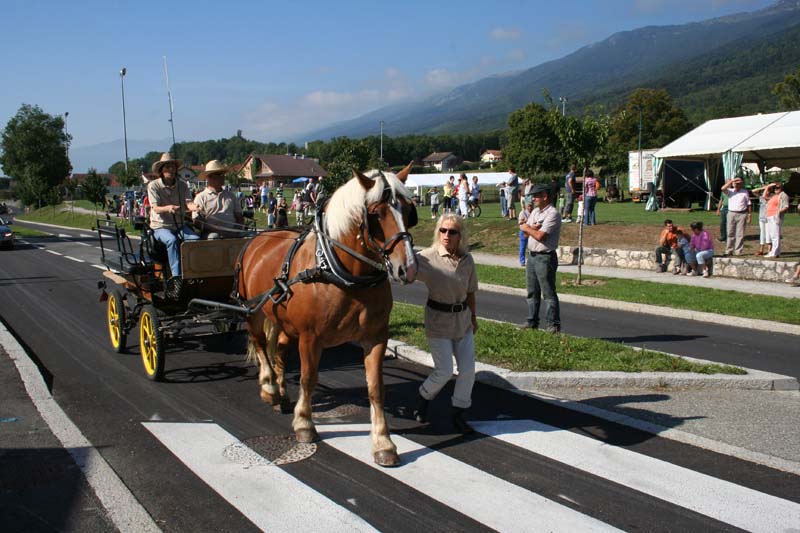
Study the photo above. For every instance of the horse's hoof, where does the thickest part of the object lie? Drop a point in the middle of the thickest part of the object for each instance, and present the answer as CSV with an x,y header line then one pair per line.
x,y
306,436
387,458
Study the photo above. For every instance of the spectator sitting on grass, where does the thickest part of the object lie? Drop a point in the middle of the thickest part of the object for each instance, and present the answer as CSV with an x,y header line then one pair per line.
x,y
702,245
667,241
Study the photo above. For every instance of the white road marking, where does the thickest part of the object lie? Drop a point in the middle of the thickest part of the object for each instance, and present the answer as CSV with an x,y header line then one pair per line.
x,y
722,500
53,252
82,243
490,500
74,259
267,495
124,510
87,236
100,267
64,236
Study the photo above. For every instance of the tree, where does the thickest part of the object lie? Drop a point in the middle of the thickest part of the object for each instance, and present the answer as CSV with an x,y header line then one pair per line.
x,y
35,151
661,121
53,197
533,144
95,188
789,91
350,155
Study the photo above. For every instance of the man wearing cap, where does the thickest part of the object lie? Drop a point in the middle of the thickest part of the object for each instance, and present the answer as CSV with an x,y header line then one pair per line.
x,y
170,199
219,213
543,228
739,213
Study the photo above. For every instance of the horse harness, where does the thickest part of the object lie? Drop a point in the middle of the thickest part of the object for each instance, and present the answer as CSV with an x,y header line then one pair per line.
x,y
328,268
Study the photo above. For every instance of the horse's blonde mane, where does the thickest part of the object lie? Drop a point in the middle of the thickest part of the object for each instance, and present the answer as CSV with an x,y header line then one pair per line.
x,y
346,206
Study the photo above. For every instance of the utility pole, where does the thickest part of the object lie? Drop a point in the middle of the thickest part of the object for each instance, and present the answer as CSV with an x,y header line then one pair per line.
x,y
169,95
124,123
381,123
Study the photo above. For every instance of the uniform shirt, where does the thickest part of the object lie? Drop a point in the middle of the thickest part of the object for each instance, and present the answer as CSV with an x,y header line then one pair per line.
x,y
737,200
160,195
220,209
449,280
551,224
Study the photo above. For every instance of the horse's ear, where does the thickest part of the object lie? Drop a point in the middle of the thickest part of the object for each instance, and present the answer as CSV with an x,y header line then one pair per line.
x,y
366,182
403,174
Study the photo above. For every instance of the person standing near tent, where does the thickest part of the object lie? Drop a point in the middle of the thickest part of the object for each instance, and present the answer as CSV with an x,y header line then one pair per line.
x,y
512,193
739,214
777,205
264,191
569,194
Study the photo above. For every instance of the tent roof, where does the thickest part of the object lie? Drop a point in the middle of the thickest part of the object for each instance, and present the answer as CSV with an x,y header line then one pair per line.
x,y
774,137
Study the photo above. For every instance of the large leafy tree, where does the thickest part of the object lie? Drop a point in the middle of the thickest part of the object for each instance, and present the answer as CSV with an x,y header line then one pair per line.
x,y
789,91
350,154
533,144
661,123
34,147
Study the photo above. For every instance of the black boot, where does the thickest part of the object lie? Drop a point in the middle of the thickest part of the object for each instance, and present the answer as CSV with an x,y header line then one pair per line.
x,y
459,422
421,411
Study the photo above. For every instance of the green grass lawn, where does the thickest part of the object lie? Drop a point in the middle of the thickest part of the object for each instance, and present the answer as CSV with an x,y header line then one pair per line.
x,y
62,216
504,345
676,296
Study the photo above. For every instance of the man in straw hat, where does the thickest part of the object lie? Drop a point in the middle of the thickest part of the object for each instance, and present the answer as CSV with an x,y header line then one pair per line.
x,y
170,199
219,213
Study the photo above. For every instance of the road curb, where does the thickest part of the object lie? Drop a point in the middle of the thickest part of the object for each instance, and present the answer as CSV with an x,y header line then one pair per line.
x,y
123,508
698,316
530,381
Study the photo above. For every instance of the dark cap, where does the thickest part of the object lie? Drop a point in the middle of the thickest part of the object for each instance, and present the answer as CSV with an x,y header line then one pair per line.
x,y
540,188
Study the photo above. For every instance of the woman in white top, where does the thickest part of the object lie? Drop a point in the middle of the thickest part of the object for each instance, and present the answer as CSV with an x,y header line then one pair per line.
x,y
463,194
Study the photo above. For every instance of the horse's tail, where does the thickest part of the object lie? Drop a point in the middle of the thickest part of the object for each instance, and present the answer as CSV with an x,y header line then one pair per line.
x,y
270,332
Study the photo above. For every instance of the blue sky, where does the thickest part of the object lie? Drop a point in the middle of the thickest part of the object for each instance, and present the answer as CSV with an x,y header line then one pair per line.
x,y
276,69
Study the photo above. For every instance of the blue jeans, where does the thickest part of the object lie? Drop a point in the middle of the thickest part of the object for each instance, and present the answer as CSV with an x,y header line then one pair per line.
x,y
503,206
588,217
540,279
170,239
523,247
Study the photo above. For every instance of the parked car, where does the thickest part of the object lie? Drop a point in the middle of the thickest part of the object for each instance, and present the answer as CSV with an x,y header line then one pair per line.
x,y
6,235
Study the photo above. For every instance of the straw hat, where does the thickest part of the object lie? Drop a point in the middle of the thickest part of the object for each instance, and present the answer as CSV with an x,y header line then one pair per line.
x,y
215,166
166,157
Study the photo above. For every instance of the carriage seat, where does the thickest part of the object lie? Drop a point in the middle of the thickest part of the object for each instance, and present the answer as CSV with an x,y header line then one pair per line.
x,y
210,259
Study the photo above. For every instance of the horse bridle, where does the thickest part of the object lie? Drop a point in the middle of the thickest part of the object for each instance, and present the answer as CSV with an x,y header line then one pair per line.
x,y
371,244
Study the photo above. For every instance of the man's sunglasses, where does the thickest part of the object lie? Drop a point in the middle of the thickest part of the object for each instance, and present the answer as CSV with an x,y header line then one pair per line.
x,y
450,232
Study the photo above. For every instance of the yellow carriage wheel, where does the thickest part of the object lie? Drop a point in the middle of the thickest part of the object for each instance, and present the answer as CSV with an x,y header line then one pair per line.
x,y
117,315
151,343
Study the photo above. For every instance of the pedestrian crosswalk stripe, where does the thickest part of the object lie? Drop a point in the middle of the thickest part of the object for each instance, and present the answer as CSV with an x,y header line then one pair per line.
x,y
722,500
266,494
53,252
87,236
481,496
64,236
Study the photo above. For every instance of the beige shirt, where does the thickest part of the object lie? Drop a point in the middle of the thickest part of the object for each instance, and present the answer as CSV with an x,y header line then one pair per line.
x,y
551,224
449,280
219,209
160,195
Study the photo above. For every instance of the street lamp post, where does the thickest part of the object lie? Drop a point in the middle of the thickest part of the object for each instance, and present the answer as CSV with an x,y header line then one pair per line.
x,y
124,123
563,100
381,123
66,132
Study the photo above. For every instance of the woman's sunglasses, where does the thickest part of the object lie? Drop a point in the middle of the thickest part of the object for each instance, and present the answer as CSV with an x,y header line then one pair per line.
x,y
450,232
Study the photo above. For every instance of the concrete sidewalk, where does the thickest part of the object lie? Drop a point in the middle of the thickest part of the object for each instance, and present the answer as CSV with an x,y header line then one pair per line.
x,y
766,288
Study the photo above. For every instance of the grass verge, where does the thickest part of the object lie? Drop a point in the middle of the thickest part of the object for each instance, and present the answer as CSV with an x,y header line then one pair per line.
x,y
729,303
504,345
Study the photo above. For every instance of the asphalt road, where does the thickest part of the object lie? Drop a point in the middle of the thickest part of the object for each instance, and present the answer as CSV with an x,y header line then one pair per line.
x,y
155,435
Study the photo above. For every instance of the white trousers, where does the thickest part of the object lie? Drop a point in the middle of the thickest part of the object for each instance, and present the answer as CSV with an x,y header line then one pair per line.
x,y
774,232
443,351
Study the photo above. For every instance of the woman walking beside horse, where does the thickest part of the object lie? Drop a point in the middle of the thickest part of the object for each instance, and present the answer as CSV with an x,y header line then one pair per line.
x,y
447,268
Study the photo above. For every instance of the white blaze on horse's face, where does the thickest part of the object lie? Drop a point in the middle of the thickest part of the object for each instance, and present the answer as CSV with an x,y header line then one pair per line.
x,y
408,273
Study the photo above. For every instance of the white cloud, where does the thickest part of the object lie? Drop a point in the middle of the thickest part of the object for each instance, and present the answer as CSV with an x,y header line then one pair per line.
x,y
505,34
393,73
441,77
517,54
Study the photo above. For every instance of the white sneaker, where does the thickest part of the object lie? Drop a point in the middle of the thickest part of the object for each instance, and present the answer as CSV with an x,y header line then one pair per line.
x,y
705,274
690,273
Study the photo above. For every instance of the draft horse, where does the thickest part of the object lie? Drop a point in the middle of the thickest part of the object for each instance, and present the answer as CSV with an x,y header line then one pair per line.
x,y
330,286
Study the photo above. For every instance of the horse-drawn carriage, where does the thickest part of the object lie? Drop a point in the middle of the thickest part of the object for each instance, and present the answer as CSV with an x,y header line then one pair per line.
x,y
139,291
312,287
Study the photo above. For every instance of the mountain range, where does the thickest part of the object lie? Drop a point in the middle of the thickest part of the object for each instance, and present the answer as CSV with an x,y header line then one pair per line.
x,y
704,65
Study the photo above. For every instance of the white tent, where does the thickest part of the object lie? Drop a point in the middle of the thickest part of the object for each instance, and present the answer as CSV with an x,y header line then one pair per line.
x,y
437,180
768,140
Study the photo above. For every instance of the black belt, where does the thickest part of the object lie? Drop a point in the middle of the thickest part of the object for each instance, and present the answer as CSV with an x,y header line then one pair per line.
x,y
551,252
729,211
447,308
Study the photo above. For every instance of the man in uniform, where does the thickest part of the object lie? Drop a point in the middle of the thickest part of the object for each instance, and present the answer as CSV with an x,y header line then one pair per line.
x,y
543,228
219,213
170,199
